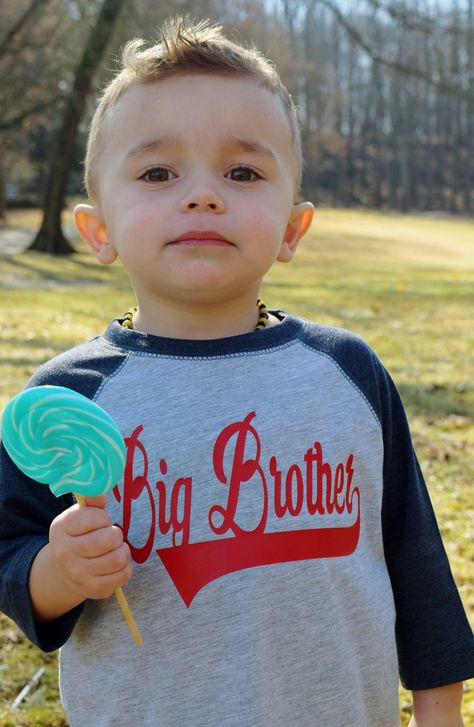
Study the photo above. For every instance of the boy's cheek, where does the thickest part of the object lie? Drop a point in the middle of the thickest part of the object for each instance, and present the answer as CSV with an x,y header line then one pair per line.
x,y
145,217
268,222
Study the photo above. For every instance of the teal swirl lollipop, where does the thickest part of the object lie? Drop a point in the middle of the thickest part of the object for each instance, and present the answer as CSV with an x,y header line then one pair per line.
x,y
61,438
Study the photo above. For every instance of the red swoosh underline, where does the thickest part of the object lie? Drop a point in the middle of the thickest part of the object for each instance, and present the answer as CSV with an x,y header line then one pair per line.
x,y
193,566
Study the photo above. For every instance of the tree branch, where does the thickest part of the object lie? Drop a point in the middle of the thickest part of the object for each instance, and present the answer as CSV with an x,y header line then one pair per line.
x,y
414,20
20,23
442,85
20,117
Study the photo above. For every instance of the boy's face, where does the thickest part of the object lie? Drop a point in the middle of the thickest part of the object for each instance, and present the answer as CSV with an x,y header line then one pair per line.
x,y
196,183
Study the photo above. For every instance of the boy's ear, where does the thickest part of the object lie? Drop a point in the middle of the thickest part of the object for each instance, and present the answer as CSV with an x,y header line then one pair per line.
x,y
300,220
91,227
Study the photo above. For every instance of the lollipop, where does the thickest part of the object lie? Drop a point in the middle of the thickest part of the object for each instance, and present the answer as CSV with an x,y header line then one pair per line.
x,y
60,438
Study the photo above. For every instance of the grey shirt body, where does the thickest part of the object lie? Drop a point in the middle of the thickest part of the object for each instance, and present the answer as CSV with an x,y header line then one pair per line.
x,y
287,560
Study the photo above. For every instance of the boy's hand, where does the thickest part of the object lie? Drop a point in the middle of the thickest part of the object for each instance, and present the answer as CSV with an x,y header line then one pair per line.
x,y
88,551
440,707
86,557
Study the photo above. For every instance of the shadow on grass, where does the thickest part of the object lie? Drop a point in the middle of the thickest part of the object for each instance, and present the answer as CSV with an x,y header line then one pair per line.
x,y
45,350
59,278
275,285
27,262
438,400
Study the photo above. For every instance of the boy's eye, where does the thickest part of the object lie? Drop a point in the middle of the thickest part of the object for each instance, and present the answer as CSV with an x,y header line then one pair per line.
x,y
158,174
243,174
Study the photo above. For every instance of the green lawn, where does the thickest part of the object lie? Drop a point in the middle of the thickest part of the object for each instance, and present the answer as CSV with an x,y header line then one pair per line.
x,y
405,283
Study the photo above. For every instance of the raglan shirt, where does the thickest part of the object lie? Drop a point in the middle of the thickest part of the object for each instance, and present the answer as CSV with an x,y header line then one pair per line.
x,y
287,562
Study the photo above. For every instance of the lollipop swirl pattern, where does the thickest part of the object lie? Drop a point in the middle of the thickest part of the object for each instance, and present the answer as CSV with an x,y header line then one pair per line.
x,y
60,438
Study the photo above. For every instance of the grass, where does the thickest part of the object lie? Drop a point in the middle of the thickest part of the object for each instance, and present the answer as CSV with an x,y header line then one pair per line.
x,y
405,283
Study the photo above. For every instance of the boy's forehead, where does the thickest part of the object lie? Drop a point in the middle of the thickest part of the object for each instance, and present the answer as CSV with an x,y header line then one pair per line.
x,y
177,87
229,106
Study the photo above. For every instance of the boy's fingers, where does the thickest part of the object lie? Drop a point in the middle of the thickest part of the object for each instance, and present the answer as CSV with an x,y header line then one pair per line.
x,y
99,542
79,520
113,562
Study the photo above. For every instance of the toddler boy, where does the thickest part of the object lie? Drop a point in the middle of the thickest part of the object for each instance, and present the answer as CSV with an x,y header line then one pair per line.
x,y
287,562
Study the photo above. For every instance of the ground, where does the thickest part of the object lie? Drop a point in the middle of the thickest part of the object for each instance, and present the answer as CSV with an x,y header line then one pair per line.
x,y
404,283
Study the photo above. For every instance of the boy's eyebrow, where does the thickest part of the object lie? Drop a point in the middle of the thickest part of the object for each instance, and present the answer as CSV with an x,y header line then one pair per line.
x,y
249,145
232,142
158,144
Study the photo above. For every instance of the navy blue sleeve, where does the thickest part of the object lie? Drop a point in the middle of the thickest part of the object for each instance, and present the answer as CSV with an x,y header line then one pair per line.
x,y
434,640
27,508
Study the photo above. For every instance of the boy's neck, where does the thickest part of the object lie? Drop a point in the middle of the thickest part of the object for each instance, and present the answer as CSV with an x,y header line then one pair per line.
x,y
198,322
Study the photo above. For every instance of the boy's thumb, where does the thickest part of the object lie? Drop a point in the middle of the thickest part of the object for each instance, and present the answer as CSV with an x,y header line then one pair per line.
x,y
95,501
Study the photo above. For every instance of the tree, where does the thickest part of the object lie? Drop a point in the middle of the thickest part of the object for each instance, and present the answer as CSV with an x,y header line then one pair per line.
x,y
50,237
385,89
444,85
21,97
387,100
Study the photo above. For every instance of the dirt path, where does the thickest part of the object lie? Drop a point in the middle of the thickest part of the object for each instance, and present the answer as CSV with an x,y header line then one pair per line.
x,y
17,239
14,240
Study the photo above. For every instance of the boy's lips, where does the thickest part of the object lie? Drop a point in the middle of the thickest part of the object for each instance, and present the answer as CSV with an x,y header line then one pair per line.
x,y
200,237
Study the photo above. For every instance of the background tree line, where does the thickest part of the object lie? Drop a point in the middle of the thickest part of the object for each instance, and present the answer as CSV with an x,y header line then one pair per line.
x,y
385,90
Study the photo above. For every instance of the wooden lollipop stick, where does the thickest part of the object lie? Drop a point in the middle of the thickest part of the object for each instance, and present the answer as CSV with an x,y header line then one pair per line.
x,y
119,595
128,615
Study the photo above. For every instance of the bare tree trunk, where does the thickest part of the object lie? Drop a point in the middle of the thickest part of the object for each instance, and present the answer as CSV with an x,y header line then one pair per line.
x,y
50,238
350,99
469,182
13,32
428,146
3,201
378,120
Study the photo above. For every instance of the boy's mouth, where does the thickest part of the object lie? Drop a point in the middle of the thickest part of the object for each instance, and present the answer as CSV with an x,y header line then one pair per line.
x,y
201,237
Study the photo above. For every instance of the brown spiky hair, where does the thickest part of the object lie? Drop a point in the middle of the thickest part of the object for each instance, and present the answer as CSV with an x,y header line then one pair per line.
x,y
186,47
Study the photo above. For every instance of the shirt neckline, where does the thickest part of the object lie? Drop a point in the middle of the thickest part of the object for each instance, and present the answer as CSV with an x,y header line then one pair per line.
x,y
145,343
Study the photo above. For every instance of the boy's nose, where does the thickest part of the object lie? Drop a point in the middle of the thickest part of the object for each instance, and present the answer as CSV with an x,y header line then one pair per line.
x,y
203,198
